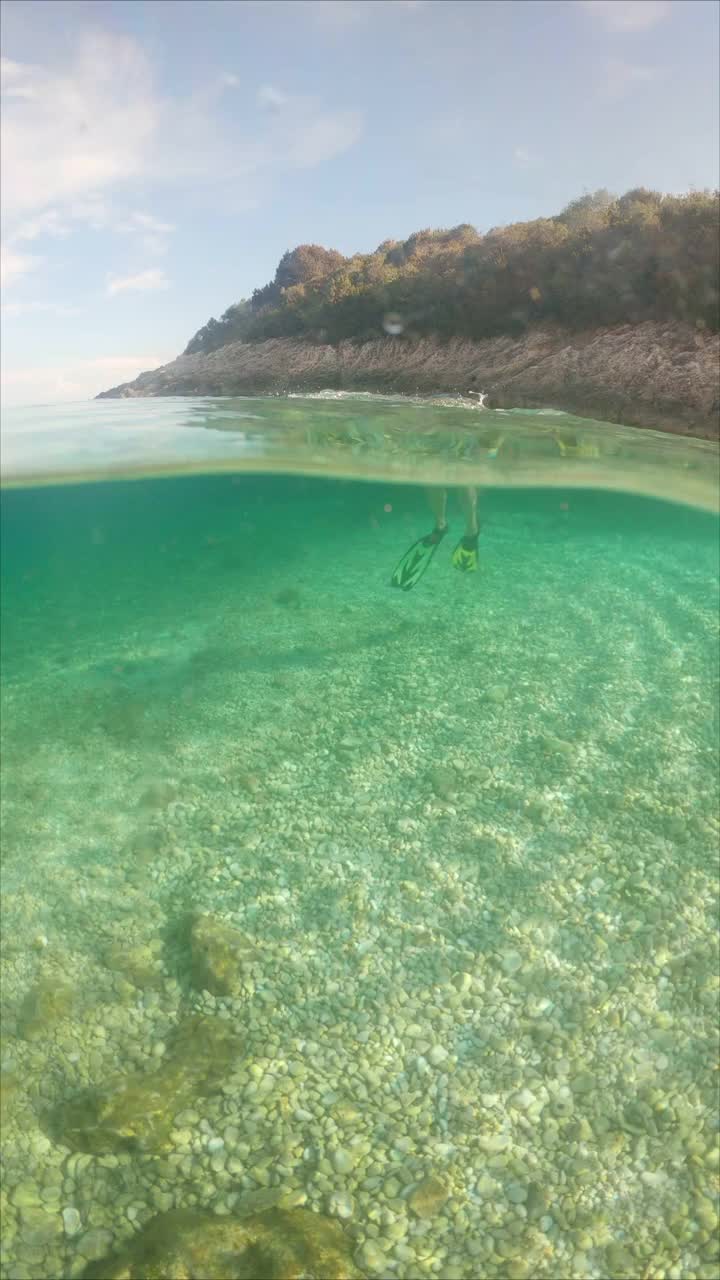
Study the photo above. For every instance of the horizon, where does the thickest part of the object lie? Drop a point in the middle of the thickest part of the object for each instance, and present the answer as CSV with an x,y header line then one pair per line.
x,y
159,158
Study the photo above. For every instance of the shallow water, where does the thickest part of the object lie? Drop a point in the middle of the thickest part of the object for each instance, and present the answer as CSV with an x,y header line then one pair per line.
x,y
444,861
364,437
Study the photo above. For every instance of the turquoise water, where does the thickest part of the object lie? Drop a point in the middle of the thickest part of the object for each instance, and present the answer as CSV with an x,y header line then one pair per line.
x,y
441,864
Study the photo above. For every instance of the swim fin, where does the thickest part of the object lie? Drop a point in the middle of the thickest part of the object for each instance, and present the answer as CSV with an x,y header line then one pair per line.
x,y
465,555
571,447
416,560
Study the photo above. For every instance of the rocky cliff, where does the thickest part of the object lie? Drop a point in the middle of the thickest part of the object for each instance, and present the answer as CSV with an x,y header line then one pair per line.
x,y
661,375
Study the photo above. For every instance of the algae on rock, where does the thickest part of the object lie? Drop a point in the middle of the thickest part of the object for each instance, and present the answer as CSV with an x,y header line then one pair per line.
x,y
220,956
140,964
9,1090
280,1244
136,1112
428,1197
45,1004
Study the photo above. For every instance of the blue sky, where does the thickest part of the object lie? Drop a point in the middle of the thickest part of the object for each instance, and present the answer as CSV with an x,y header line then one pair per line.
x,y
158,158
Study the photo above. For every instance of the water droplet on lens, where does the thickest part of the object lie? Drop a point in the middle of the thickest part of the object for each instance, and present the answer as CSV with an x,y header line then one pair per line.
x,y
393,323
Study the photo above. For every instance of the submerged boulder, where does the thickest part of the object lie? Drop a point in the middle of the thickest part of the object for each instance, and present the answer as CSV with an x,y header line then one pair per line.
x,y
221,956
45,1004
140,964
135,1112
280,1244
428,1197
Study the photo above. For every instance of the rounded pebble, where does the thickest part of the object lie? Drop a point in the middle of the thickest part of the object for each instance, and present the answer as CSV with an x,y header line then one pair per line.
x,y
516,1193
340,1204
72,1221
343,1160
370,1257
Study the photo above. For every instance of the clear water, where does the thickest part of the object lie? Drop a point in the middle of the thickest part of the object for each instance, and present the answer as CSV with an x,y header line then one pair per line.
x,y
442,863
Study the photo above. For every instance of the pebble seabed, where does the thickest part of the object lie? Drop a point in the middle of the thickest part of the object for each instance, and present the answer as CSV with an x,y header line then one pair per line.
x,y
477,991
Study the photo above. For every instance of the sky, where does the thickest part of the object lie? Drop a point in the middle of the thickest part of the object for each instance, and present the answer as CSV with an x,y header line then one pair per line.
x,y
158,158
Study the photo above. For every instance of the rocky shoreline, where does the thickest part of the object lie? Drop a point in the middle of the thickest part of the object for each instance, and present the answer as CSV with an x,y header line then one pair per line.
x,y
656,375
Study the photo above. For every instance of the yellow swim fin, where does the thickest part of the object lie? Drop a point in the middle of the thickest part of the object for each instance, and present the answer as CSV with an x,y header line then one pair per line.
x,y
465,555
573,448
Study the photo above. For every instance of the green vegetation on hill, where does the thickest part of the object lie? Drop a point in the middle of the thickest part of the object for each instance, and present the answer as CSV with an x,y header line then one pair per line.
x,y
604,260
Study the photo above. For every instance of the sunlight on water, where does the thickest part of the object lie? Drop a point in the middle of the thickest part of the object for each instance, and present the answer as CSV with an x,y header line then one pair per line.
x,y
397,905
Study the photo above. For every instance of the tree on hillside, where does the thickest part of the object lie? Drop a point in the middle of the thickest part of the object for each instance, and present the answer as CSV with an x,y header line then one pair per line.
x,y
233,326
307,262
588,210
603,260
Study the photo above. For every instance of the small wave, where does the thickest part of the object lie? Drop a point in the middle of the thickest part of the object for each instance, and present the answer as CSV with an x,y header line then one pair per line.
x,y
330,394
474,400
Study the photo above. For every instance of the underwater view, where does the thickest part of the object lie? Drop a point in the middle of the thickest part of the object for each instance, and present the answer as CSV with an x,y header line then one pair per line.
x,y
359,882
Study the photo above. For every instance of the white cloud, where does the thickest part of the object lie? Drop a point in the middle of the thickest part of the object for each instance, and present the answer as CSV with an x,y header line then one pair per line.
x,y
70,131
93,211
267,96
627,15
33,308
149,223
525,159
11,75
153,232
144,282
620,78
300,135
73,379
77,136
14,264
316,141
45,224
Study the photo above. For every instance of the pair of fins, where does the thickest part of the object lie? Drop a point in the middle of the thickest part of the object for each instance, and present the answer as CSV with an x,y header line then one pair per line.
x,y
572,447
416,560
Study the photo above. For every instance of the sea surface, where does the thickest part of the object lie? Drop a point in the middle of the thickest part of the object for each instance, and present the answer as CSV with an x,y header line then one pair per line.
x,y
332,907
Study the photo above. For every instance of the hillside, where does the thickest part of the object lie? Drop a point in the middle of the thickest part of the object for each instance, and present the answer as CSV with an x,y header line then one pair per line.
x,y
601,262
609,309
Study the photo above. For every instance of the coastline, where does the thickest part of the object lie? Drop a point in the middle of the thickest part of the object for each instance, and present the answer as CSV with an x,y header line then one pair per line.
x,y
660,376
